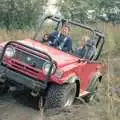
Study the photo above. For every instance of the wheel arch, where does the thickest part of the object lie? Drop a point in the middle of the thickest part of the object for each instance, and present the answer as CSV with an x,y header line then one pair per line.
x,y
100,78
96,76
77,88
75,79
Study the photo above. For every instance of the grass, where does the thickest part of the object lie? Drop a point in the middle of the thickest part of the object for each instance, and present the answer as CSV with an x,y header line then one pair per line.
x,y
110,99
112,38
15,35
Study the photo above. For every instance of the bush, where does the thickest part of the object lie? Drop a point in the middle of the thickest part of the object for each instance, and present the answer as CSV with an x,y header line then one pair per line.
x,y
19,14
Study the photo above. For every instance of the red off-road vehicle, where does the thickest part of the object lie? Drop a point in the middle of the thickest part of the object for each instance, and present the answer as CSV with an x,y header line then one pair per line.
x,y
47,73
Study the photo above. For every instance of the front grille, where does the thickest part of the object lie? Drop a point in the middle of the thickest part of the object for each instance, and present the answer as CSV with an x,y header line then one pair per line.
x,y
26,69
29,59
26,63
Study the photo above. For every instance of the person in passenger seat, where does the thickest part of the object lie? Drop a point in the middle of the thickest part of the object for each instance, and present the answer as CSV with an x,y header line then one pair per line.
x,y
79,51
87,48
61,39
90,50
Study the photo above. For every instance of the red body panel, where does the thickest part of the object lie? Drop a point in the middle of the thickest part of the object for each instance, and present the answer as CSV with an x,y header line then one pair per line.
x,y
84,71
69,64
60,57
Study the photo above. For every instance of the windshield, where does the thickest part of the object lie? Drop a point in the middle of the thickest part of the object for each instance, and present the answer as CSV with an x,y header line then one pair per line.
x,y
79,34
76,32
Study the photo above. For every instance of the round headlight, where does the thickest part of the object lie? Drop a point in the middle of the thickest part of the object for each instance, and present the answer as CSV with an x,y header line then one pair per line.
x,y
46,68
10,52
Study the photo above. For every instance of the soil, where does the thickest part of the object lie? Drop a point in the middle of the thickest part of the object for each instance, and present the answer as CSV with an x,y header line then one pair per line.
x,y
21,108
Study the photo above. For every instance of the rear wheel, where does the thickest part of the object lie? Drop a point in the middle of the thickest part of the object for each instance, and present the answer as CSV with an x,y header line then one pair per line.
x,y
60,95
93,90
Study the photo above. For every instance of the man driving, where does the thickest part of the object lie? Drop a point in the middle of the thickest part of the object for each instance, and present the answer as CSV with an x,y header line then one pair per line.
x,y
61,39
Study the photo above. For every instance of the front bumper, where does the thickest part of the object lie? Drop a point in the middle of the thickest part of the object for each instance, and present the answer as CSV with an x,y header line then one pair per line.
x,y
15,78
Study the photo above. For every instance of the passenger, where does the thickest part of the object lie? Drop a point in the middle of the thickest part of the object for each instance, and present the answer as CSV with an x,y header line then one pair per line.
x,y
87,49
90,50
61,39
79,51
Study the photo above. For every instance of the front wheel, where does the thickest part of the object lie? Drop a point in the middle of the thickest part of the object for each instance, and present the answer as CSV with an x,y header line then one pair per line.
x,y
60,95
3,88
39,103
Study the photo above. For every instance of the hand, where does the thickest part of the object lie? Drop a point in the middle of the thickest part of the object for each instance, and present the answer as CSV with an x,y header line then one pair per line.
x,y
49,42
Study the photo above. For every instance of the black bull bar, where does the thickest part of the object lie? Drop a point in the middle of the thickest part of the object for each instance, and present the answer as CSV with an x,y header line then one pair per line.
x,y
34,52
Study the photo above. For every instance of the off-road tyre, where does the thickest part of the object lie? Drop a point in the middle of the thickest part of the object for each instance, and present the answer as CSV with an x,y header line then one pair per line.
x,y
3,88
39,103
60,95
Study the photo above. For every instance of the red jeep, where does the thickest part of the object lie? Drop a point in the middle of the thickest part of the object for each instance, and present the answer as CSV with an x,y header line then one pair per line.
x,y
48,74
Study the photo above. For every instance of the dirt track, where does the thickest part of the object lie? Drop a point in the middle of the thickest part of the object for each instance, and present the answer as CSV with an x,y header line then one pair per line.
x,y
21,109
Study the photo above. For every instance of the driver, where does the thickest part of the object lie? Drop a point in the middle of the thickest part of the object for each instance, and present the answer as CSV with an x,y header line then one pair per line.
x,y
61,39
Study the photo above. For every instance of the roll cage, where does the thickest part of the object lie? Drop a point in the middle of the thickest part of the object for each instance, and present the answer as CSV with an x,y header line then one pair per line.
x,y
97,37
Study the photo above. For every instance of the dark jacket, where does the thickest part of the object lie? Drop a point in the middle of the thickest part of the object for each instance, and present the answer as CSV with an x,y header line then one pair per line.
x,y
60,41
87,52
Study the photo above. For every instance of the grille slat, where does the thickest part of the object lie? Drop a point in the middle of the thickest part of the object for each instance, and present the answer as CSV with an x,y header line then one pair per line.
x,y
24,66
25,63
24,69
29,59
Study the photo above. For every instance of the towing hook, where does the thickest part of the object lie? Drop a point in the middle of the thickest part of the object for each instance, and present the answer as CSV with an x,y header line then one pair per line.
x,y
2,77
3,73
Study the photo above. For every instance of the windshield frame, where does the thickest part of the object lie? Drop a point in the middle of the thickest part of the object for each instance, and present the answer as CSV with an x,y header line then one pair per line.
x,y
62,20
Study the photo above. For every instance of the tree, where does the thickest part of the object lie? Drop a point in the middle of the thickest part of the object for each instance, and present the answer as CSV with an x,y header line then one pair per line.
x,y
20,13
74,9
79,9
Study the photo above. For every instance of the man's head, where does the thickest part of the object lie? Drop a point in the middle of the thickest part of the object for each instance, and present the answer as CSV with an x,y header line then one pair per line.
x,y
65,30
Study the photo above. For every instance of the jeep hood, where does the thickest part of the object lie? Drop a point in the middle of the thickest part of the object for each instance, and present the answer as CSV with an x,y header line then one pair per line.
x,y
60,57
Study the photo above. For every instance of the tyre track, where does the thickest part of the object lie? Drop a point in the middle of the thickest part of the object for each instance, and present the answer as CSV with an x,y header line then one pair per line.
x,y
16,109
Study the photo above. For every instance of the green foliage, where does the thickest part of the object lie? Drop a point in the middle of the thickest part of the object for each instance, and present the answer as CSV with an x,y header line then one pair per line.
x,y
20,14
74,9
78,9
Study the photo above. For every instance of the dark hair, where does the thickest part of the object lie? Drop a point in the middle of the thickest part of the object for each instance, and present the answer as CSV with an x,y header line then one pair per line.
x,y
66,26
